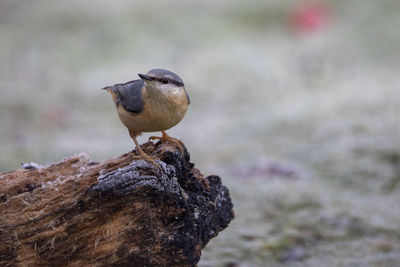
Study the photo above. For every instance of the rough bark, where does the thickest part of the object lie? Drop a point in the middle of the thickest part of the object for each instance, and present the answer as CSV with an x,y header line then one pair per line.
x,y
122,212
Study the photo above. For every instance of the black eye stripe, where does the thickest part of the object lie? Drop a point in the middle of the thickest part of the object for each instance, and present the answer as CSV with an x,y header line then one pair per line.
x,y
162,80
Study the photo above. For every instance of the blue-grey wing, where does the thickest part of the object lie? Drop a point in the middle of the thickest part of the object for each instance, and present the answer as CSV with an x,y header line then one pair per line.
x,y
129,95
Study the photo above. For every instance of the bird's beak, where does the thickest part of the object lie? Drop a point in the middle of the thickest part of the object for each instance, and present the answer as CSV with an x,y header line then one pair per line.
x,y
145,77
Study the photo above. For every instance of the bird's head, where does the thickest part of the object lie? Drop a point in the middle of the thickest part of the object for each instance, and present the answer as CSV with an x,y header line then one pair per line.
x,y
163,80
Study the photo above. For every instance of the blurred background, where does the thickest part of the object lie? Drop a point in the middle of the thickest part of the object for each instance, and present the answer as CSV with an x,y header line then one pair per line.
x,y
295,104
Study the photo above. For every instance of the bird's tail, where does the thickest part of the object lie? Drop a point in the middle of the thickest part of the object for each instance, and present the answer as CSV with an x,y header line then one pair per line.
x,y
109,88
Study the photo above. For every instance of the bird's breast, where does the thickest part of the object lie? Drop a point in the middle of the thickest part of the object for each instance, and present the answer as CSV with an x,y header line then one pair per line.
x,y
159,113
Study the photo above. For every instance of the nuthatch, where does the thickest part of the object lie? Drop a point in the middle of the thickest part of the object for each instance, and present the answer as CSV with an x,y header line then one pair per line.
x,y
156,102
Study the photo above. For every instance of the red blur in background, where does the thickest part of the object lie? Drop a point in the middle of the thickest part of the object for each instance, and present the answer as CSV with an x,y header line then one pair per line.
x,y
308,17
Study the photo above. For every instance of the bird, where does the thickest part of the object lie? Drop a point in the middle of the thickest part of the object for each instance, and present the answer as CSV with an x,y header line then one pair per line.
x,y
155,102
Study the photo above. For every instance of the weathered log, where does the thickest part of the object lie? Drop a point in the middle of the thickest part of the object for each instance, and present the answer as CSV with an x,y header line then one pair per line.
x,y
122,212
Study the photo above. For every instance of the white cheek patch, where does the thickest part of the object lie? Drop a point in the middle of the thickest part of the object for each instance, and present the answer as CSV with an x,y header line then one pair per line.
x,y
175,90
169,88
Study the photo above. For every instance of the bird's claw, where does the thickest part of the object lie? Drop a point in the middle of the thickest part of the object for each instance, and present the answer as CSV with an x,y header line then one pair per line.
x,y
151,160
167,138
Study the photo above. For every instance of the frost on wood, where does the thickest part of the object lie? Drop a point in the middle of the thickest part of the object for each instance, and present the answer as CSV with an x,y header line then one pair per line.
x,y
122,212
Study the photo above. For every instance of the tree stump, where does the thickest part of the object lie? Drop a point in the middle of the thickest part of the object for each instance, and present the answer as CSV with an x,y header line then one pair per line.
x,y
122,212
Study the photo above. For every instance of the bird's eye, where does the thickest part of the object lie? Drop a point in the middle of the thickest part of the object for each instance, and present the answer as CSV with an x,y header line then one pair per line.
x,y
164,80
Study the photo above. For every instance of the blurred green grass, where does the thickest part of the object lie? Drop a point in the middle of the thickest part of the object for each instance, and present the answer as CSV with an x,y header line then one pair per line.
x,y
324,105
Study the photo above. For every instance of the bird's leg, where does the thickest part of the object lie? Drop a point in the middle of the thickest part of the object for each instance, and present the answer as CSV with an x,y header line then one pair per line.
x,y
143,155
165,138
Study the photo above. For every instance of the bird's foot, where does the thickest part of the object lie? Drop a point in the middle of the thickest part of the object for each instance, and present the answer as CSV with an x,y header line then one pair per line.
x,y
150,159
166,138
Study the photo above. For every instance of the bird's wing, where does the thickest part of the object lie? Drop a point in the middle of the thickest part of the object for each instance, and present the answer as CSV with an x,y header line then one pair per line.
x,y
129,95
